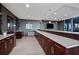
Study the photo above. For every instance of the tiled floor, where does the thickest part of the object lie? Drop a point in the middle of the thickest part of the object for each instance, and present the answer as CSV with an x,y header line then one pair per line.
x,y
27,46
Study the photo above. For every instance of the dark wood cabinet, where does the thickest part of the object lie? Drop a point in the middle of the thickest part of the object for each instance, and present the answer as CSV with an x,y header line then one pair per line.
x,y
46,44
58,50
53,48
6,45
19,35
50,46
3,48
9,45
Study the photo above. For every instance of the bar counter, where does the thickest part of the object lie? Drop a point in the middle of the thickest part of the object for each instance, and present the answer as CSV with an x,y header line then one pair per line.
x,y
54,44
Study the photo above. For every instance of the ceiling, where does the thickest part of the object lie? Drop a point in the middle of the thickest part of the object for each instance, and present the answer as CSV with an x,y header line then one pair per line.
x,y
44,11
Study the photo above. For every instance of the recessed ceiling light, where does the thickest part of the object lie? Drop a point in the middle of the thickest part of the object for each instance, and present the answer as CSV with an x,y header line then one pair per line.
x,y
27,5
50,22
55,13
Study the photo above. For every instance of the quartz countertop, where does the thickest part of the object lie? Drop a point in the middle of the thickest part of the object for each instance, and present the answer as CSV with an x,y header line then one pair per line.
x,y
66,42
77,33
2,36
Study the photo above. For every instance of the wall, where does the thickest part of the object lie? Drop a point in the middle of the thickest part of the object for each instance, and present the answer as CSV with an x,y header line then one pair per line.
x,y
60,25
30,32
5,12
44,24
36,25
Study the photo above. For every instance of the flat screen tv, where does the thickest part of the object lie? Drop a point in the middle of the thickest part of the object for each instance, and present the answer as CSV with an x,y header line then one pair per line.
x,y
50,26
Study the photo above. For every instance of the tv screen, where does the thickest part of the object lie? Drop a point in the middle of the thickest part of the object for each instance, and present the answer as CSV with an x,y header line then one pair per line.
x,y
49,26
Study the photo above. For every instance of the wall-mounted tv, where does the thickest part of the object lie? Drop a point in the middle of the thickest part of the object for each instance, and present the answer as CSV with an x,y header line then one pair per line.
x,y
50,26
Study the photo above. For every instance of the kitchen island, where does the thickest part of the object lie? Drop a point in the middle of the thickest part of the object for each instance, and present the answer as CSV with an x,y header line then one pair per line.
x,y
57,45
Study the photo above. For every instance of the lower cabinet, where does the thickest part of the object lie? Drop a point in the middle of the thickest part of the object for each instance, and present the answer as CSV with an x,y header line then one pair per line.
x,y
58,50
6,45
53,48
2,49
9,45
50,46
46,44
19,35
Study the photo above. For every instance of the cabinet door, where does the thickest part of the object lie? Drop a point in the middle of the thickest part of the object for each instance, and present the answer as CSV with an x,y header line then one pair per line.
x,y
13,41
19,35
40,39
58,50
45,46
50,47
9,45
2,49
6,45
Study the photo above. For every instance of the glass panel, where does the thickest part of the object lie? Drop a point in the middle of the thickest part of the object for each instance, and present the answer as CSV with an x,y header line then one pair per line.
x,y
10,23
28,26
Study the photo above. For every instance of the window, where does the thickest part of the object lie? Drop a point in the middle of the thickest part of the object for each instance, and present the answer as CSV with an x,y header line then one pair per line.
x,y
28,26
76,25
69,26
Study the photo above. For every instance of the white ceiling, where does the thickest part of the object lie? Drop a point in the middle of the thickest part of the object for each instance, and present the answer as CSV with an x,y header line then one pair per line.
x,y
39,11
